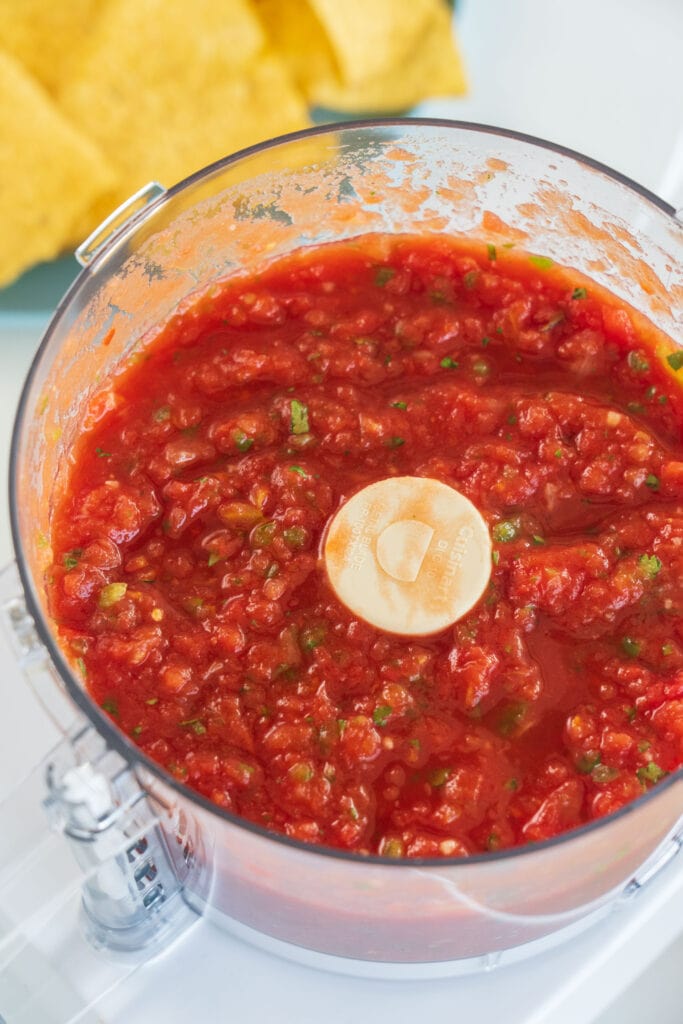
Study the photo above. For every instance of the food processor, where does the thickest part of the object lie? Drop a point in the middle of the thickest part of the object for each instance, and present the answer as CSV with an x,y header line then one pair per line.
x,y
147,855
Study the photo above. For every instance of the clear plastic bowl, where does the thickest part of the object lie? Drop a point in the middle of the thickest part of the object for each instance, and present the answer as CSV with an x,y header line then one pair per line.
x,y
330,183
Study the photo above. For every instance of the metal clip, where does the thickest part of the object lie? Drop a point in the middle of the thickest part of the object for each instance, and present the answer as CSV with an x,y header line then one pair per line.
x,y
123,216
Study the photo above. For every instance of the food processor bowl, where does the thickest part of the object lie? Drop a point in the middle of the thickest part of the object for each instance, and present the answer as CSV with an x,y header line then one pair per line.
x,y
322,185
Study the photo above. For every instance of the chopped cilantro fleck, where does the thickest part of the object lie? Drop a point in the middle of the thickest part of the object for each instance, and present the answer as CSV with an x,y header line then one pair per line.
x,y
298,470
381,714
675,360
637,363
162,414
383,275
470,279
396,442
242,442
652,482
579,293
511,717
542,262
196,724
312,637
512,785
505,531
81,666
495,557
439,776
650,773
667,649
399,405
630,647
485,342
110,706
136,730
491,251
587,762
299,417
650,565
72,558
449,364
213,558
102,454
537,539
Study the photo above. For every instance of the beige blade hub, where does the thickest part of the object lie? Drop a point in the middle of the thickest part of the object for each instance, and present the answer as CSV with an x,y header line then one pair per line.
x,y
409,555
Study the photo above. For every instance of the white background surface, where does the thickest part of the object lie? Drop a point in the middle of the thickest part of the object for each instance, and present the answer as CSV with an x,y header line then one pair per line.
x,y
603,77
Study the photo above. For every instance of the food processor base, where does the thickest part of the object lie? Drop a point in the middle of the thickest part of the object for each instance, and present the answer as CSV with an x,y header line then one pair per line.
x,y
386,971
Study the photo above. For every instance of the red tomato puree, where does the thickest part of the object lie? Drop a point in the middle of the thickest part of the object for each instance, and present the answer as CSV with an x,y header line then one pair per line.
x,y
190,590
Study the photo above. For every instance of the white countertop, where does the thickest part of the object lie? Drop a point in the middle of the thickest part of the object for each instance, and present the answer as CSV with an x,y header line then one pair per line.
x,y
604,77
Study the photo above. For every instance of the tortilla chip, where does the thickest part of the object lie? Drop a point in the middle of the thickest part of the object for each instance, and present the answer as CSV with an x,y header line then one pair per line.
x,y
167,87
433,68
372,39
45,36
298,36
49,172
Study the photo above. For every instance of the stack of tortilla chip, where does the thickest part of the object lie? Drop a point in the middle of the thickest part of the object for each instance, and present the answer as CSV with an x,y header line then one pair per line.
x,y
98,97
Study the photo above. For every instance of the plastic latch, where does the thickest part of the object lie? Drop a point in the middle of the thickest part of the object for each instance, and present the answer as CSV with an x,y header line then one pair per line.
x,y
122,217
135,857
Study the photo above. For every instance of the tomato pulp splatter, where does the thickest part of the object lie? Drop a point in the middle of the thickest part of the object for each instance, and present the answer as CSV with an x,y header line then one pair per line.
x,y
189,589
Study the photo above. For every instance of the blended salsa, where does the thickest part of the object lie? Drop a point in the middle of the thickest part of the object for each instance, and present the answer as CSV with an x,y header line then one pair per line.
x,y
191,593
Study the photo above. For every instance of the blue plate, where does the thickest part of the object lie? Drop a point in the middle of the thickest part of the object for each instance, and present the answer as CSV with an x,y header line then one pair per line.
x,y
37,292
